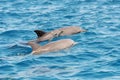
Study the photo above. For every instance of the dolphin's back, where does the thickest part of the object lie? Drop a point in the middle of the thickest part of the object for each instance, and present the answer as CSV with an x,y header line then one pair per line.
x,y
52,46
58,45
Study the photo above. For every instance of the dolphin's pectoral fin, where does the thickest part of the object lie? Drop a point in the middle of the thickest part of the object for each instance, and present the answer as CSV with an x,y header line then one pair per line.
x,y
60,33
53,37
39,33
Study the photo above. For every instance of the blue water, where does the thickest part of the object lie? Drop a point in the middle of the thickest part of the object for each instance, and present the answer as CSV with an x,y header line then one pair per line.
x,y
96,57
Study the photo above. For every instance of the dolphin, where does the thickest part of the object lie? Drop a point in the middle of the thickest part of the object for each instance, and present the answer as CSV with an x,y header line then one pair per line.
x,y
42,35
52,46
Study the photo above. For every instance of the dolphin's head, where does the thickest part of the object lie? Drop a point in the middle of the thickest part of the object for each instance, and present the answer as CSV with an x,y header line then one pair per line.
x,y
77,29
83,30
80,30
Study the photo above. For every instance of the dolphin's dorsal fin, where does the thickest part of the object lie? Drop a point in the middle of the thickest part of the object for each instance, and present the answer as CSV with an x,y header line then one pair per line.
x,y
39,32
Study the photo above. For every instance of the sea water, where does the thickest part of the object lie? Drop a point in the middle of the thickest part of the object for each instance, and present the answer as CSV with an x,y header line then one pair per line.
x,y
95,57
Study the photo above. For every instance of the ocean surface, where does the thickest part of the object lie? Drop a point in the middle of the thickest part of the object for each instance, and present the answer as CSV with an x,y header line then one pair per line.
x,y
95,57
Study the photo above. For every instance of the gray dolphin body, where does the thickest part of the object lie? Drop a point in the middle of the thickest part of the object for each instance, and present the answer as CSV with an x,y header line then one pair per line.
x,y
42,36
52,46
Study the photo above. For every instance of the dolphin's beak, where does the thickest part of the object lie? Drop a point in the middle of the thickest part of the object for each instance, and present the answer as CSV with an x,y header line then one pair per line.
x,y
83,30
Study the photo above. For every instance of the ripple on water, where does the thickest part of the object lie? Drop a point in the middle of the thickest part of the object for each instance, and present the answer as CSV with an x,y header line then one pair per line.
x,y
96,56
